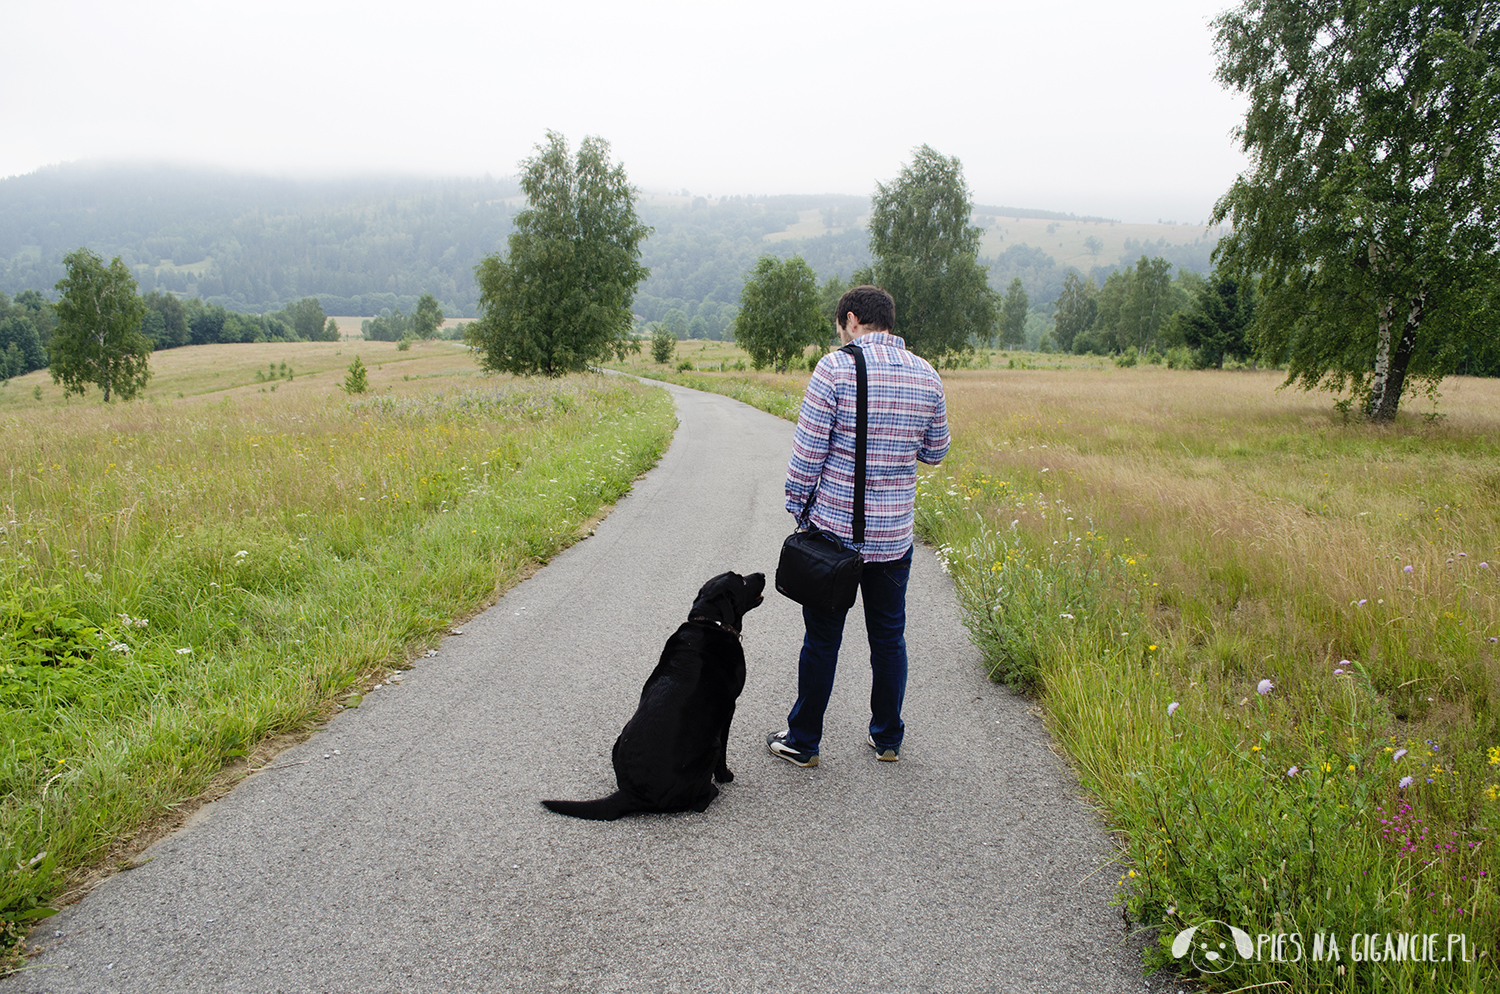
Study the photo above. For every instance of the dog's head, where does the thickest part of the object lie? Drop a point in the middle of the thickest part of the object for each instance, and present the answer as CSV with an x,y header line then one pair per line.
x,y
727,597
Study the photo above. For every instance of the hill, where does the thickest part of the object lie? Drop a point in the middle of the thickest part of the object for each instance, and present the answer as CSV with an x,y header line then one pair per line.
x,y
364,244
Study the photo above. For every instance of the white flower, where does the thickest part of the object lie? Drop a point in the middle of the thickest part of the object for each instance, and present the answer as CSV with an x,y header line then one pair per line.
x,y
186,650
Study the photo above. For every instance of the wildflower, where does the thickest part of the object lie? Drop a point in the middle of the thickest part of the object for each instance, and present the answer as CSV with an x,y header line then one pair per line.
x,y
1151,647
1406,569
1398,754
243,553
1065,615
1404,783
1327,768
1484,565
119,647
186,650
1173,707
1293,771
1495,755
1264,687
1362,602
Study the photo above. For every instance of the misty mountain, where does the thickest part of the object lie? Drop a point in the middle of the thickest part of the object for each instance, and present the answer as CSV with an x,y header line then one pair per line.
x,y
363,244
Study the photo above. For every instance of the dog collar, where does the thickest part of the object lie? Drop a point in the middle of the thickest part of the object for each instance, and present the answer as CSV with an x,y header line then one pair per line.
x,y
716,624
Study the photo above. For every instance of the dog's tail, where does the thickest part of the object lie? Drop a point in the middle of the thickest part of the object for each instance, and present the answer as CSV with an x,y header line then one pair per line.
x,y
604,809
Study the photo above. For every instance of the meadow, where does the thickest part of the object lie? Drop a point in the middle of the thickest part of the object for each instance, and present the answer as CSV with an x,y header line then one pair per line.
x,y
1266,636
188,579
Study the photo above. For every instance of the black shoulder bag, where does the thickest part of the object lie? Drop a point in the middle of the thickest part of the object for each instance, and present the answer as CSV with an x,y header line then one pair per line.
x,y
817,569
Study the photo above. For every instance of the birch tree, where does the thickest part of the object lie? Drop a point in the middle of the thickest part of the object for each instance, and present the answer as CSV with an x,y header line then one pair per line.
x,y
1370,213
98,339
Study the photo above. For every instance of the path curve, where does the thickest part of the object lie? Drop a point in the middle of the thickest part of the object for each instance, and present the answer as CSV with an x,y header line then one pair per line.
x,y
409,853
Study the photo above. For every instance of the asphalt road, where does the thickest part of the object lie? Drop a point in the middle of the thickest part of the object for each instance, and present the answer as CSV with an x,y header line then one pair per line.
x,y
402,847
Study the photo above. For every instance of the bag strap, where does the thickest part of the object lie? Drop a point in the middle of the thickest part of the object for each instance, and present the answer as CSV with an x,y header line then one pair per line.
x,y
861,437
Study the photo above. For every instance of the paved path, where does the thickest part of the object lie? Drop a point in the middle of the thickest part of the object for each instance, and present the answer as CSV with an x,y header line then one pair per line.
x,y
409,852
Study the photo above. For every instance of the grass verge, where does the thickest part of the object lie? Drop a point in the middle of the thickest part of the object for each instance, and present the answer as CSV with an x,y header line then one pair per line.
x,y
180,580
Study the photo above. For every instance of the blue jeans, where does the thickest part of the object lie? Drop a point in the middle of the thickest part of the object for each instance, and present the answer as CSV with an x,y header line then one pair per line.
x,y
882,589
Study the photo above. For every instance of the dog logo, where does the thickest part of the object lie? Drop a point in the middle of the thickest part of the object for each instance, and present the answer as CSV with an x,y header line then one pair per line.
x,y
1213,946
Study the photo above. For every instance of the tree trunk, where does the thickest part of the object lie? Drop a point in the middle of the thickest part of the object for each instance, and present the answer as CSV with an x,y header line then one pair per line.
x,y
1390,365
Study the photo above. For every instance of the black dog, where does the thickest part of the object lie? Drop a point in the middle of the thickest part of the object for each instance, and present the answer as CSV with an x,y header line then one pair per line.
x,y
670,753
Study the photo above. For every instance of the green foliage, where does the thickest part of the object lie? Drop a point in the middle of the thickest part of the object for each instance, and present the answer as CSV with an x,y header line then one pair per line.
x,y
1217,324
307,319
663,343
330,331
780,312
98,339
1131,309
165,324
391,326
676,323
926,256
1013,315
1371,211
427,318
1077,308
560,300
357,380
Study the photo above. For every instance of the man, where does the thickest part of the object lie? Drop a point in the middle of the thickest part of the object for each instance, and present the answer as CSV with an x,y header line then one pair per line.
x,y
907,422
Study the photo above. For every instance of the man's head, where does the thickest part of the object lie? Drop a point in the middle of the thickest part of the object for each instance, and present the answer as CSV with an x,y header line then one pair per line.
x,y
871,306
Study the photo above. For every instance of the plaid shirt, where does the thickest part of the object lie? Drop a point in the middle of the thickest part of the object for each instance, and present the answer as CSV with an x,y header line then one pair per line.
x,y
908,421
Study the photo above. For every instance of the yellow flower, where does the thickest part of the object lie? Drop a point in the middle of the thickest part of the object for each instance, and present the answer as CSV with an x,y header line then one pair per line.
x,y
1327,768
1255,748
1130,874
1351,768
1495,755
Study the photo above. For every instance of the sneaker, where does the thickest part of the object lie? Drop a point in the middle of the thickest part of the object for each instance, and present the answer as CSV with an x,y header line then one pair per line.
x,y
777,743
890,754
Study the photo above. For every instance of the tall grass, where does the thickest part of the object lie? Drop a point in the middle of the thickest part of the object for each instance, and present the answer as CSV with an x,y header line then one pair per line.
x,y
1267,639
1147,550
179,580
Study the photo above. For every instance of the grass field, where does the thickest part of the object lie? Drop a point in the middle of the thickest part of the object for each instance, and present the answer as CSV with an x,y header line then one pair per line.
x,y
183,577
1267,639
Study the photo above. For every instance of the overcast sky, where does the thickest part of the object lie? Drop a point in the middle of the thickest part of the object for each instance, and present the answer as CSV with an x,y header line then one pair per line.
x,y
1089,107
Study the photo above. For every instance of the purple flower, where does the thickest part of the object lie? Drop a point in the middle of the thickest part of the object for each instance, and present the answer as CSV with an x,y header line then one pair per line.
x,y
1398,755
1406,569
1293,771
1172,707
1484,565
1338,671
1264,687
1363,601
1404,783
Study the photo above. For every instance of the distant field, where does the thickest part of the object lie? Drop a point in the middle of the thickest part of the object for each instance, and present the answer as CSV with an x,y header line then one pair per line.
x,y
216,371
349,326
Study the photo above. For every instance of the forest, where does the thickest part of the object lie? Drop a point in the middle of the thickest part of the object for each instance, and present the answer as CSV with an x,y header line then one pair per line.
x,y
371,246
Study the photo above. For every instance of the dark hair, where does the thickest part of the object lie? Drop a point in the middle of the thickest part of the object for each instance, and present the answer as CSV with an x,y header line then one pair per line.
x,y
871,306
